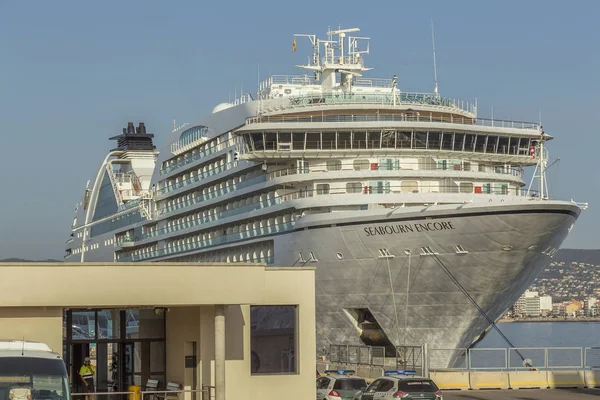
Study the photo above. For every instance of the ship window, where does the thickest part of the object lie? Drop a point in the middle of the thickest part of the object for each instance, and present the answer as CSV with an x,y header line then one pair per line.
x,y
480,143
313,140
469,142
190,135
492,144
270,141
298,140
343,140
466,187
503,145
403,140
334,165
359,140
514,145
322,188
447,140
257,140
361,164
285,137
420,140
434,140
374,140
353,187
328,140
459,140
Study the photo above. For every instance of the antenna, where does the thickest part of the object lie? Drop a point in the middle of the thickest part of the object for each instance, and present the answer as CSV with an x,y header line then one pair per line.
x,y
23,348
435,88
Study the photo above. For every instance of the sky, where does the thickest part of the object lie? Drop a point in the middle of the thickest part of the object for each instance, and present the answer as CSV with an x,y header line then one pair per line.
x,y
73,73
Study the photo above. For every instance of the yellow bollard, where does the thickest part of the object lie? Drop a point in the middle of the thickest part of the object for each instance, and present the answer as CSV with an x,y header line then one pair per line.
x,y
136,392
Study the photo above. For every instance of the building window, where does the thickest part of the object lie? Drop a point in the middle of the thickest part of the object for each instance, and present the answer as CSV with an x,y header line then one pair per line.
x,y
334,165
353,187
361,165
273,339
466,187
323,188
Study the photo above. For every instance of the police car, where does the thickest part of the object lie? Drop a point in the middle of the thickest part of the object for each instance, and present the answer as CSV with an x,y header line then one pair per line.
x,y
400,384
339,385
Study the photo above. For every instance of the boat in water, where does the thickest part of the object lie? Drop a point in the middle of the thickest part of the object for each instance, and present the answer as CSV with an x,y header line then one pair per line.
x,y
408,204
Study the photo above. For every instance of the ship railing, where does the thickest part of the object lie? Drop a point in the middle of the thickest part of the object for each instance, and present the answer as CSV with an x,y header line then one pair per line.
x,y
514,359
206,393
393,165
212,194
442,104
190,158
399,357
343,60
109,395
288,80
373,82
196,221
425,117
377,187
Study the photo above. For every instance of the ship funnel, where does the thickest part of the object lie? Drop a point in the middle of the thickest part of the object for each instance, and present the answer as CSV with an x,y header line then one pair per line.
x,y
142,129
130,128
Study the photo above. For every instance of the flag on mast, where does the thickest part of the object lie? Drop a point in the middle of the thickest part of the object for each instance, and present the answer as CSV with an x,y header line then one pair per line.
x,y
294,45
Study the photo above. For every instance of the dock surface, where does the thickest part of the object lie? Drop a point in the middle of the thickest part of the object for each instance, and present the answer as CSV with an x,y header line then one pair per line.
x,y
523,394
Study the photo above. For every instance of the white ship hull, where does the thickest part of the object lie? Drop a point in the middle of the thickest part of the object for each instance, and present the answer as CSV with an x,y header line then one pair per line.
x,y
507,248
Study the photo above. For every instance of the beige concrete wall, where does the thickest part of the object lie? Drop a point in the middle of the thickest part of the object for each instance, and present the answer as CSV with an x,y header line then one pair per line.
x,y
187,324
145,284
189,291
38,324
197,323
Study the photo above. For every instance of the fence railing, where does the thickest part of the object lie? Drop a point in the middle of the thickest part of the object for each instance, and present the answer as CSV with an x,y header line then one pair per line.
x,y
206,393
103,396
405,357
524,358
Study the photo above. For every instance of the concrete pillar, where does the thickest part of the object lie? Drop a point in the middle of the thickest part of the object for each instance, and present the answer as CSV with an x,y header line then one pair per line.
x,y
219,352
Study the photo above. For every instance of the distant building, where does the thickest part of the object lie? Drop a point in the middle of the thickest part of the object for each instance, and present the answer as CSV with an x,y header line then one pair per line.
x,y
589,306
529,304
558,310
546,304
574,308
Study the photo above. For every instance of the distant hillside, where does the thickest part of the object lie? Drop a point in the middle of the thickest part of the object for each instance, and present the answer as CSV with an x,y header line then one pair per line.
x,y
14,260
578,255
573,274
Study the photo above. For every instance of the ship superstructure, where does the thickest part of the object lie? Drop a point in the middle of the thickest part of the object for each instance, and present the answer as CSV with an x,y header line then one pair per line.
x,y
376,187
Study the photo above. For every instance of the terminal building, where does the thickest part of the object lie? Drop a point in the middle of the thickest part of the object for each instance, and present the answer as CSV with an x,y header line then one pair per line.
x,y
240,330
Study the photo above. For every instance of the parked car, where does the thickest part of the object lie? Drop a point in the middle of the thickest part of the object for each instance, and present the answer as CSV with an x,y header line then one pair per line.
x,y
339,385
400,384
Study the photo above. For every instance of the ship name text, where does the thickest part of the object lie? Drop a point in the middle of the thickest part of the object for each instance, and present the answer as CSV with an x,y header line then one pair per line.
x,y
408,228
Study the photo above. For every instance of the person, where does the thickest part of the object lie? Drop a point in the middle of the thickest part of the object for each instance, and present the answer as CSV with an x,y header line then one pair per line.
x,y
20,392
86,373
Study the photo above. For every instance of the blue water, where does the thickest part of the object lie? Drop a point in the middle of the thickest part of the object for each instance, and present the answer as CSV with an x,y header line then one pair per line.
x,y
544,334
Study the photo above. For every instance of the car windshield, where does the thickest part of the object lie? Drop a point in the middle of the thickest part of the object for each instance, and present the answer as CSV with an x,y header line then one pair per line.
x,y
349,384
419,386
32,378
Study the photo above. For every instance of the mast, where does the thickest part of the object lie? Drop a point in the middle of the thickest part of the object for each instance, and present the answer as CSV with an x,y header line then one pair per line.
x,y
539,150
347,65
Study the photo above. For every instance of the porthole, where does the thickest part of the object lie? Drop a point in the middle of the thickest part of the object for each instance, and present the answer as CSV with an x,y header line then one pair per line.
x,y
339,256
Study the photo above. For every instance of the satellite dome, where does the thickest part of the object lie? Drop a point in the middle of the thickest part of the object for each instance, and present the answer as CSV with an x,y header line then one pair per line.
x,y
221,107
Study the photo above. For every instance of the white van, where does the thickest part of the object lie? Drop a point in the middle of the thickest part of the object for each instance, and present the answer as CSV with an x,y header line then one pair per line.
x,y
32,371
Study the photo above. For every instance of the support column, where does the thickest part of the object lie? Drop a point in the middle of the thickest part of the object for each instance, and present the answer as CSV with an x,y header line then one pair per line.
x,y
219,352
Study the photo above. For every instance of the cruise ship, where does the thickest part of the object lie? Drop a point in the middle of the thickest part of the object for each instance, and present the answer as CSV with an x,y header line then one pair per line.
x,y
408,204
